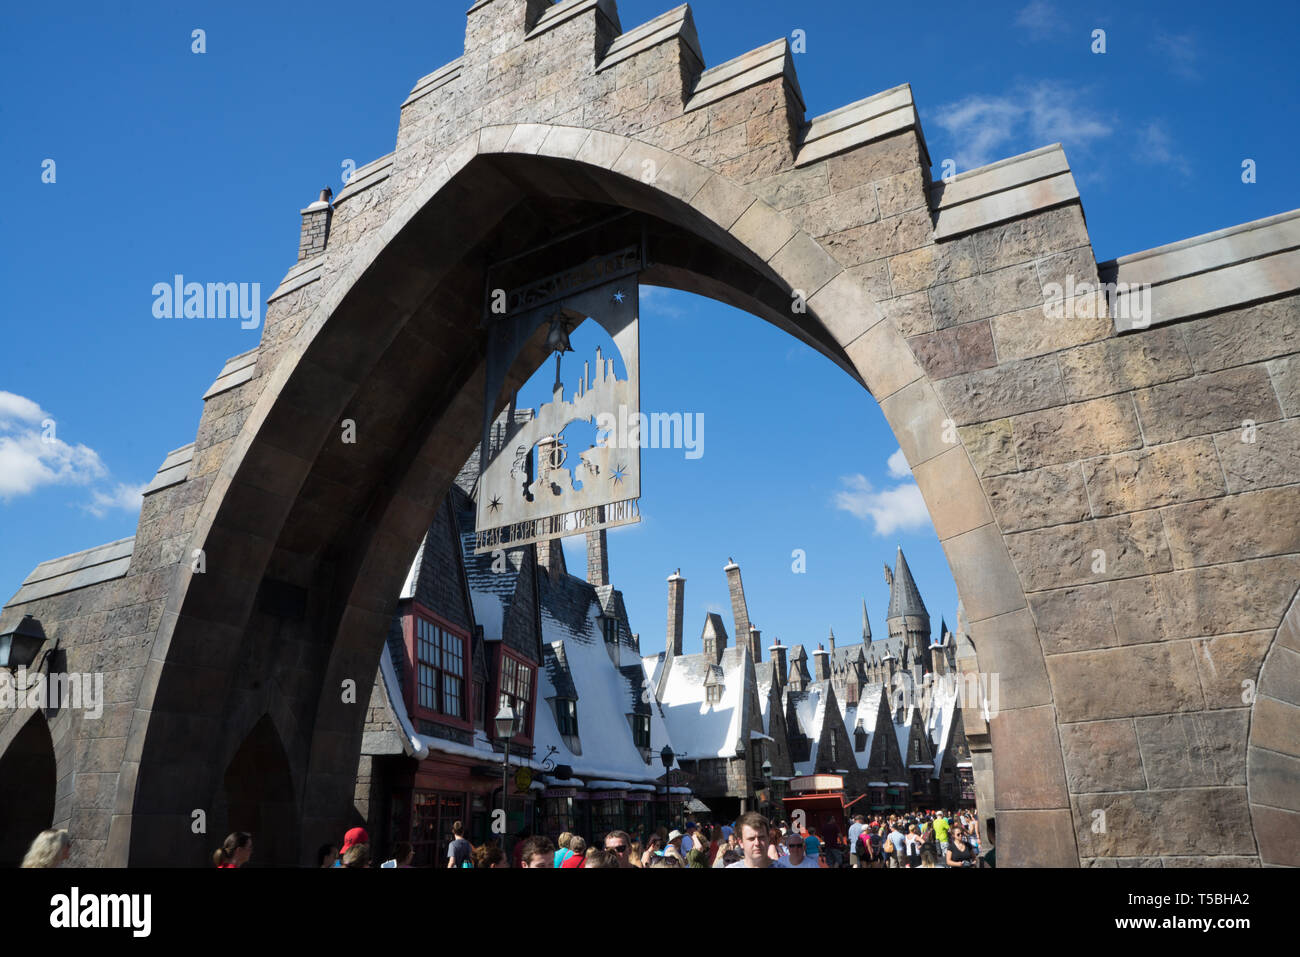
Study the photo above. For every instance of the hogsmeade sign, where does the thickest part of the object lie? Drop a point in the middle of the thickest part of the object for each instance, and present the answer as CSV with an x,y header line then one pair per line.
x,y
534,486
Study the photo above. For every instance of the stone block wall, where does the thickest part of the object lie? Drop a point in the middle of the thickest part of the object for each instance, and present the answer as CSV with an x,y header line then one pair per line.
x,y
1118,510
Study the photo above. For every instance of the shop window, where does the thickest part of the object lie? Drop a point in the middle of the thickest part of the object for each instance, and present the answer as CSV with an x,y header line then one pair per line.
x,y
440,670
516,690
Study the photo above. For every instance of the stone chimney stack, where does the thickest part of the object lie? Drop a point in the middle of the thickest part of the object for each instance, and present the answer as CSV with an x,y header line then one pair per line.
x,y
676,601
821,664
597,555
777,651
739,610
755,645
550,556
316,226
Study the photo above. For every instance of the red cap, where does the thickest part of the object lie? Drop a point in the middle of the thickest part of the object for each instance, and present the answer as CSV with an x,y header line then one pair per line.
x,y
353,837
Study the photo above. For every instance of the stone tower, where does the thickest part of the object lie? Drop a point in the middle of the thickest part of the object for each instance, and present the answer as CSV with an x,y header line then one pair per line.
x,y
907,619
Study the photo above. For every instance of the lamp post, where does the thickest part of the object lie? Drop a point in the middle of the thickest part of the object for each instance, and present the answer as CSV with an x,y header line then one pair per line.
x,y
767,781
507,726
667,757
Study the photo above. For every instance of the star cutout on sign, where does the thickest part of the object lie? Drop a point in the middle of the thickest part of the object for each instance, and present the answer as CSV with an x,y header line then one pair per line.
x,y
494,505
620,296
618,474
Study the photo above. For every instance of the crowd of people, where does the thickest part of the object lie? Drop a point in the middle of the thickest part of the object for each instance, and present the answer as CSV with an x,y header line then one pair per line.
x,y
920,839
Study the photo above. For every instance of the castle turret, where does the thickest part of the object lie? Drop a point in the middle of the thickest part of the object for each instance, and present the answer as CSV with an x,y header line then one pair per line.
x,y
907,618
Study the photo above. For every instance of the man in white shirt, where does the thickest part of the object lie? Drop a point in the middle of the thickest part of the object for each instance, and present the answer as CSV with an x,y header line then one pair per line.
x,y
753,829
796,857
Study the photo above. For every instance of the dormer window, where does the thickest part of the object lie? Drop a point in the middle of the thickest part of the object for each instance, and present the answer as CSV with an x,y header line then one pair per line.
x,y
859,737
713,694
610,627
566,716
641,730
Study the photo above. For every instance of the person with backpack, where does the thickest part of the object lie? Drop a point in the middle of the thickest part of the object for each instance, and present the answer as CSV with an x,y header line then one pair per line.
x,y
459,850
896,848
867,849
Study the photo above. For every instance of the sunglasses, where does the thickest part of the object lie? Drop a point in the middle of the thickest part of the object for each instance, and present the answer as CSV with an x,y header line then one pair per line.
x,y
618,848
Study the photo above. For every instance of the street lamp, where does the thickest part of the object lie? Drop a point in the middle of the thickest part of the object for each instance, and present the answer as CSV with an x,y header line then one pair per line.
x,y
507,724
667,757
767,781
19,644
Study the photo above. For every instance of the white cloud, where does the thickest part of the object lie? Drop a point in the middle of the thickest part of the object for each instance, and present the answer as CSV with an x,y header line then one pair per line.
x,y
659,300
1156,148
1041,19
898,467
987,128
123,496
32,456
896,509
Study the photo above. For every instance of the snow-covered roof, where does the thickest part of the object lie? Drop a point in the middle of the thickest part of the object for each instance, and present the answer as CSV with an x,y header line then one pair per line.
x,y
809,709
698,728
492,582
576,664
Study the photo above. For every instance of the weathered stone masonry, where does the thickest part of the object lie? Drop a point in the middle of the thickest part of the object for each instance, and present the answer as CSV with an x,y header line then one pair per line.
x,y
1037,444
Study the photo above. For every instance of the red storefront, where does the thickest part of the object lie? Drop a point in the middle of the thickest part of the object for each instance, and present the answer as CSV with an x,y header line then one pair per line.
x,y
445,703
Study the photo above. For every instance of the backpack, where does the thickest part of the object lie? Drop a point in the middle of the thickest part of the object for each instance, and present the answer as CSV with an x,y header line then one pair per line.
x,y
865,850
888,847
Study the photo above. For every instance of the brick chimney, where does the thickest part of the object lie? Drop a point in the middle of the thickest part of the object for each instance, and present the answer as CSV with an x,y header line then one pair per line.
x,y
597,555
316,226
739,610
676,599
821,664
755,645
777,651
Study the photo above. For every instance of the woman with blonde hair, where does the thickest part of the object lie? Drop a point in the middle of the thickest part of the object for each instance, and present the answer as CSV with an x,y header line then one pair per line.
x,y
50,849
562,852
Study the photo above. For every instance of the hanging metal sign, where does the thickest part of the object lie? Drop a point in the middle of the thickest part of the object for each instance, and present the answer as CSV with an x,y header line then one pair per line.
x,y
538,487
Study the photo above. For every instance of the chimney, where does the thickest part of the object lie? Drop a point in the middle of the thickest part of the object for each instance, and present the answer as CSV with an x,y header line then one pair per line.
x,y
739,611
597,555
821,664
777,651
316,226
755,645
832,639
550,556
676,599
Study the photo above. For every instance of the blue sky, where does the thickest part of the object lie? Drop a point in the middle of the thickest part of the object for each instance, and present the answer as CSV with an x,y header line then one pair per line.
x,y
168,162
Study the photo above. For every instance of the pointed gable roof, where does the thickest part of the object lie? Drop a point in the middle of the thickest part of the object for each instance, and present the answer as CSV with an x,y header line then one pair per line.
x,y
904,597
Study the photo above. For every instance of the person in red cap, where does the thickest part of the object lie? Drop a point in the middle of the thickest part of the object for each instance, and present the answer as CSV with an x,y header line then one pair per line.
x,y
357,835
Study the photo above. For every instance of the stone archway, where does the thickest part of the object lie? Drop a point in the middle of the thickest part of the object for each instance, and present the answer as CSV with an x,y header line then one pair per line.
x,y
1273,758
386,314
1106,529
28,779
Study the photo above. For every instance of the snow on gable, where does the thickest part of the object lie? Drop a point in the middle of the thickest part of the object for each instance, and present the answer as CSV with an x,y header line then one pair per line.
x,y
810,713
490,591
699,729
572,639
